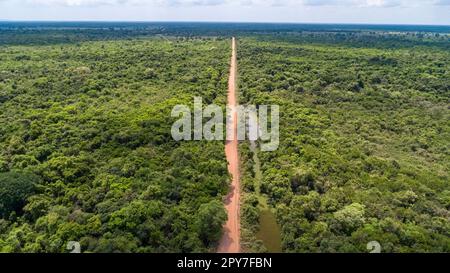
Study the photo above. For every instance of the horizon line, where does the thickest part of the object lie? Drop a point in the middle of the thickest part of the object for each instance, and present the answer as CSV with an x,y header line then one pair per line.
x,y
216,22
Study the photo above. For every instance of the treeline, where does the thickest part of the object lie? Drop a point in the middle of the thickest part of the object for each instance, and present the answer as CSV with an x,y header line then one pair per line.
x,y
382,39
364,151
382,36
86,153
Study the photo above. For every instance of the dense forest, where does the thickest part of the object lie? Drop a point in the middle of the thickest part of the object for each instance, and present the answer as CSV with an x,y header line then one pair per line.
x,y
364,153
86,152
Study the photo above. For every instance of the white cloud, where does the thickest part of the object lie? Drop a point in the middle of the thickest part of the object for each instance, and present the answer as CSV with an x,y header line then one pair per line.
x,y
248,3
361,3
313,11
127,2
357,3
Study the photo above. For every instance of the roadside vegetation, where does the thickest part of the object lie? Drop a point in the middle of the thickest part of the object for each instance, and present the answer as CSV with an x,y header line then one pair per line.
x,y
364,152
86,152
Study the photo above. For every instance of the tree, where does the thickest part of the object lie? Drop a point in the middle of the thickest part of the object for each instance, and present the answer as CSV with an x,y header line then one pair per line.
x,y
349,218
210,219
14,189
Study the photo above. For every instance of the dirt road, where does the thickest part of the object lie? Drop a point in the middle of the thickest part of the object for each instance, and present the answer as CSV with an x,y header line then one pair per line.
x,y
230,242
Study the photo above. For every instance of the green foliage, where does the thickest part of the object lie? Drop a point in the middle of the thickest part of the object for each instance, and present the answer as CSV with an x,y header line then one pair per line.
x,y
364,139
350,218
92,119
210,219
15,188
363,153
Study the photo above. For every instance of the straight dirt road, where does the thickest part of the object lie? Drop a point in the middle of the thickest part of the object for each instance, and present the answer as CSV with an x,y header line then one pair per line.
x,y
230,242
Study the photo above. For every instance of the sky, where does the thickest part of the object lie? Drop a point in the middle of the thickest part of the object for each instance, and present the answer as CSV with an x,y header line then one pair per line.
x,y
435,12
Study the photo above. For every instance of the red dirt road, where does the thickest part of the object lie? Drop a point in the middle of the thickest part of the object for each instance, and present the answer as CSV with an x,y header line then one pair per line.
x,y
230,242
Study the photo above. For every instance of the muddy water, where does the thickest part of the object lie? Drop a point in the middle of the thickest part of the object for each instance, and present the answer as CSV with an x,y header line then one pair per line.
x,y
269,231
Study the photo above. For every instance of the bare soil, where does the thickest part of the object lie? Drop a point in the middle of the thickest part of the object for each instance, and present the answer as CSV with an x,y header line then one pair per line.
x,y
230,242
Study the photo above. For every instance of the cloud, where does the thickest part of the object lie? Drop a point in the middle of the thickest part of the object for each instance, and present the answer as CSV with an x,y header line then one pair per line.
x,y
248,3
74,3
358,3
126,2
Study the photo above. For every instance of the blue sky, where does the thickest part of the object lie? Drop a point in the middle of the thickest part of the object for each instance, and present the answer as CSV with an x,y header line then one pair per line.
x,y
309,11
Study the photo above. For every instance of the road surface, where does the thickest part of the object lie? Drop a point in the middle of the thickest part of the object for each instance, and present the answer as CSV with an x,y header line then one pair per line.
x,y
230,242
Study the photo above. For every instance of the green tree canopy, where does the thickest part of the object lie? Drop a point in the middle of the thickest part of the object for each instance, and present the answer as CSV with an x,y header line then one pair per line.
x,y
14,189
210,219
350,217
